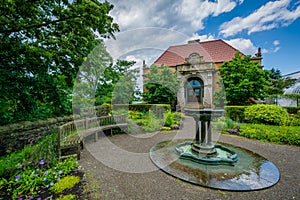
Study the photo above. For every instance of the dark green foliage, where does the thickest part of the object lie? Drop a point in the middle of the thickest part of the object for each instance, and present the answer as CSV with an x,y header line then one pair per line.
x,y
29,181
161,85
243,80
235,113
277,83
99,81
266,114
43,43
147,121
27,172
46,150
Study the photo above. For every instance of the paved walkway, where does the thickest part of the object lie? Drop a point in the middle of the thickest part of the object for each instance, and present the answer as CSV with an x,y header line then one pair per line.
x,y
120,166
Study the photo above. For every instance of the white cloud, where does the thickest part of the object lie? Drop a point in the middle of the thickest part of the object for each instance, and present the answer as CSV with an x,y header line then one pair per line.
x,y
185,16
159,24
202,38
271,15
194,12
243,45
276,49
276,42
143,39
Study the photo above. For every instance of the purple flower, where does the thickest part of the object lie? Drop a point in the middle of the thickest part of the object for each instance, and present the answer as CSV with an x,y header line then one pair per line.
x,y
60,172
18,177
58,179
45,179
51,184
31,198
41,162
46,172
35,175
39,198
234,131
20,199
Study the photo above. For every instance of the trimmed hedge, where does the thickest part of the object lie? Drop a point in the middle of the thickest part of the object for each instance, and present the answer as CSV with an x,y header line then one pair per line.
x,y
236,113
102,110
142,107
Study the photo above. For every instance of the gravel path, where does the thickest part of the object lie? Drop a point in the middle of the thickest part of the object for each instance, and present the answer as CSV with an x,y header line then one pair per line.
x,y
119,167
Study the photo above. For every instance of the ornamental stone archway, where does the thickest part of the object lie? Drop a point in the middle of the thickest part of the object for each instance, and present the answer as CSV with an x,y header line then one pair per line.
x,y
197,81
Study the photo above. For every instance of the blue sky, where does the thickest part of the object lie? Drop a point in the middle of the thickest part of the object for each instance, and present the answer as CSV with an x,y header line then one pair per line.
x,y
148,27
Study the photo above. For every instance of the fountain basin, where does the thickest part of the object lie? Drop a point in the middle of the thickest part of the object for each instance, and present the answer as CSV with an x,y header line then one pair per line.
x,y
213,155
251,172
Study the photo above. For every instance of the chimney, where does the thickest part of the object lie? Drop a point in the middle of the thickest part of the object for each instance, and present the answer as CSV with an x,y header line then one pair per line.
x,y
195,41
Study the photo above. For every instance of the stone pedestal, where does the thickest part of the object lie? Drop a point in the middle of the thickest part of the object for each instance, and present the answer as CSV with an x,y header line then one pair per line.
x,y
203,145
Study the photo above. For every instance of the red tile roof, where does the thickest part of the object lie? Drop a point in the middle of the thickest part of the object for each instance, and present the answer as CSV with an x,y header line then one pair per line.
x,y
212,51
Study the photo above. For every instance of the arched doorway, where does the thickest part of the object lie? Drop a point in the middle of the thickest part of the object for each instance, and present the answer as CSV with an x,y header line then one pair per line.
x,y
194,90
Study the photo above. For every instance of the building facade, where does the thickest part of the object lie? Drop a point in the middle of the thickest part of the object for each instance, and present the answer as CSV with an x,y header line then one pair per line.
x,y
197,64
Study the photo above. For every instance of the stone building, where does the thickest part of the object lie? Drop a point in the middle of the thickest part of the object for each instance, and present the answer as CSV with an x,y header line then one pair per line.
x,y
197,64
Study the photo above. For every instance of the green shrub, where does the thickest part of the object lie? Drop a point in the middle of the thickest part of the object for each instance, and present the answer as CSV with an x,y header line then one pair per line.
x,y
65,183
151,123
164,128
275,134
292,110
235,113
28,180
169,119
177,117
45,149
67,197
229,123
292,121
266,114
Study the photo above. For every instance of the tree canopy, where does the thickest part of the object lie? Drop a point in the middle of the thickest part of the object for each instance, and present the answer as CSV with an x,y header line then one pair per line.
x,y
43,43
161,85
277,83
243,79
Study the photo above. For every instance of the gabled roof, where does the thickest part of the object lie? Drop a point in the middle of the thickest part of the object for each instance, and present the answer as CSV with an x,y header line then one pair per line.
x,y
212,51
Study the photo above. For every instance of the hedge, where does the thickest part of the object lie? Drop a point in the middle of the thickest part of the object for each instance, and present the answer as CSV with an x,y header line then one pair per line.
x,y
236,113
292,110
142,107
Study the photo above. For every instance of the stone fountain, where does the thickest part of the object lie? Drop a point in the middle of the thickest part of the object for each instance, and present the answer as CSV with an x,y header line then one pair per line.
x,y
203,162
203,149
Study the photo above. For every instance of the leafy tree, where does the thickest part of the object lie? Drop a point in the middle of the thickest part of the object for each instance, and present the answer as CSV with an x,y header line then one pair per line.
x,y
277,83
99,81
118,84
42,45
243,80
161,85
